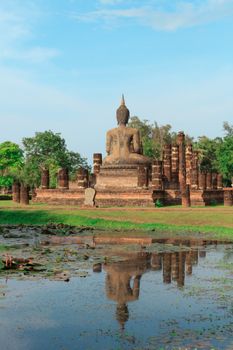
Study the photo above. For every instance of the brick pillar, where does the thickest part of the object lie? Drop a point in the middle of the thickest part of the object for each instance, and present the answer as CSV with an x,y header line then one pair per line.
x,y
157,182
214,181
16,192
143,176
228,197
97,162
45,179
63,178
189,159
82,177
202,181
175,164
167,164
209,181
219,182
195,171
24,194
184,188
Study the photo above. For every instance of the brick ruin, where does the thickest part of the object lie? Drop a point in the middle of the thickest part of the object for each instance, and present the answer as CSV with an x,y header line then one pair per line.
x,y
127,178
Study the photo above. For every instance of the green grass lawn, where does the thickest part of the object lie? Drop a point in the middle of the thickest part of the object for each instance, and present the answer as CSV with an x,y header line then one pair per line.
x,y
211,220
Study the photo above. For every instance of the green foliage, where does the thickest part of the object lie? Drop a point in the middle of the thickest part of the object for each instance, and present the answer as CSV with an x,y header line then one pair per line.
x,y
154,136
225,154
11,159
48,150
208,149
159,203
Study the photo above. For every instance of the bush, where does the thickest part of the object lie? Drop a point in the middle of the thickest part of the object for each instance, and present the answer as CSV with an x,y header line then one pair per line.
x,y
159,203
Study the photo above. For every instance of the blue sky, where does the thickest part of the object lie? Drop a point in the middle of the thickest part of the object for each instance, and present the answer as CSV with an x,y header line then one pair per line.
x,y
65,63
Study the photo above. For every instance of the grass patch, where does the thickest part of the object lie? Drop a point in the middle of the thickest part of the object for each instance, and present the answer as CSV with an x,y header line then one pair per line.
x,y
171,221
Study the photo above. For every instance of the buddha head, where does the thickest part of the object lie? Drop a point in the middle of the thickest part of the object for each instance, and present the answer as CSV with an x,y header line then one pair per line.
x,y
122,113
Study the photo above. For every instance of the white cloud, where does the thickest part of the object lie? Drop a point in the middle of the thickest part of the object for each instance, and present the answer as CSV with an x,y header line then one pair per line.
x,y
183,13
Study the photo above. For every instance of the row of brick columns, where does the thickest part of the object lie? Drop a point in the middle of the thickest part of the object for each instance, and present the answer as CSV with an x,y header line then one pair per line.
x,y
63,178
20,193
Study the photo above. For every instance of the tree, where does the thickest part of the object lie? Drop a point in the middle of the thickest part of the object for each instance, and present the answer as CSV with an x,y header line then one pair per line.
x,y
208,149
11,159
154,136
225,154
48,150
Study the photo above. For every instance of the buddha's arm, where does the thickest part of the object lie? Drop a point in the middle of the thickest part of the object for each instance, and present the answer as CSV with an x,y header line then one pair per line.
x,y
136,142
108,143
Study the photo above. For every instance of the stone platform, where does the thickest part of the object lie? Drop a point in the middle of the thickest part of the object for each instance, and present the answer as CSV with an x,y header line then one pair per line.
x,y
117,177
60,196
128,197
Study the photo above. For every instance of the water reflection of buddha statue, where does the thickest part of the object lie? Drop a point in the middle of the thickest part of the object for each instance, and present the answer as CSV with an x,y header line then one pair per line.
x,y
123,144
123,284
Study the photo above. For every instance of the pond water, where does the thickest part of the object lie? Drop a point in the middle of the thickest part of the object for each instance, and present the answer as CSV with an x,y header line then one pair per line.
x,y
158,299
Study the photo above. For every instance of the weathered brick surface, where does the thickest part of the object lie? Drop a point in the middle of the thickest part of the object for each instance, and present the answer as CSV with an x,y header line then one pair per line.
x,y
143,177
24,194
97,162
175,166
167,165
228,196
189,159
16,192
157,182
45,178
206,197
63,178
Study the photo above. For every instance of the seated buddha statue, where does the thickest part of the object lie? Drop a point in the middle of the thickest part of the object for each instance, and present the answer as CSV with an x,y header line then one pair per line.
x,y
123,144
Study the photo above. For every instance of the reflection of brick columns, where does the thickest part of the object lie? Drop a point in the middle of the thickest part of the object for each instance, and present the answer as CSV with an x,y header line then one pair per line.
x,y
202,254
156,261
24,194
188,260
214,181
45,179
194,256
157,182
184,188
167,164
82,178
195,170
180,281
175,266
175,164
167,267
63,178
142,176
97,162
16,192
188,157
209,181
202,181
228,197
219,181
